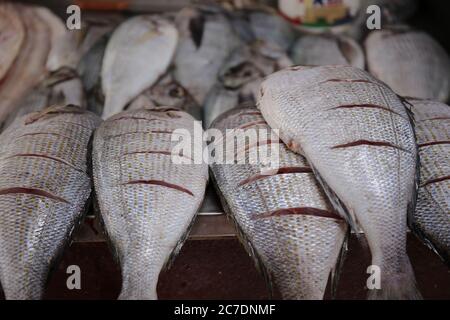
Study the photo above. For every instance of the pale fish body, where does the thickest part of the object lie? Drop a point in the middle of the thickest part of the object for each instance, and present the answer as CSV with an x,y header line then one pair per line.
x,y
12,36
411,62
167,92
138,53
44,188
218,101
285,217
29,66
431,220
327,50
272,28
357,135
147,200
62,87
206,40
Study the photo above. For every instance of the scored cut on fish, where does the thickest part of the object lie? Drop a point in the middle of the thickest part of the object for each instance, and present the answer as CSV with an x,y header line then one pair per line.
x,y
137,54
206,40
327,50
357,135
45,186
411,62
12,36
285,217
431,219
146,198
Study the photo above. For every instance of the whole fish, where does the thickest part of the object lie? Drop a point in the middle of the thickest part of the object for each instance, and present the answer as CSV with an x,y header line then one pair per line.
x,y
431,220
148,194
206,40
138,53
12,35
411,62
285,217
44,189
29,66
167,92
272,28
357,135
326,50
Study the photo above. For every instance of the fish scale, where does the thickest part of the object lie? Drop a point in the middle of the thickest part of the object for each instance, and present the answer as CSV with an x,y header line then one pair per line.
x,y
431,220
41,199
299,249
147,201
357,136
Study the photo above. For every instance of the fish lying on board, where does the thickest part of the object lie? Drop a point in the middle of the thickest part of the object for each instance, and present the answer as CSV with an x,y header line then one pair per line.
x,y
357,135
44,188
431,220
28,68
411,62
285,218
167,92
326,50
137,54
206,40
147,199
12,36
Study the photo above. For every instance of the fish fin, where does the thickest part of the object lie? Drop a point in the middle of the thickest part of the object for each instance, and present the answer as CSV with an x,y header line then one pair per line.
x,y
251,251
337,269
400,286
337,204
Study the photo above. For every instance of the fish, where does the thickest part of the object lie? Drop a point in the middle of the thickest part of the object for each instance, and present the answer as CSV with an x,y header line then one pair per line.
x,y
148,189
218,101
62,87
168,93
431,219
410,61
126,70
29,66
284,218
206,40
272,29
358,137
327,50
240,76
12,36
44,190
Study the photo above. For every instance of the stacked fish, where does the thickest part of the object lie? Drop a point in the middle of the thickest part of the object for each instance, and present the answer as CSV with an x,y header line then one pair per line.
x,y
347,149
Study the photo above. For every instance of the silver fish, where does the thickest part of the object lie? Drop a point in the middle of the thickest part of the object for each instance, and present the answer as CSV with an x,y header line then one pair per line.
x,y
147,199
357,135
431,220
326,50
272,29
218,101
44,189
206,40
285,217
411,62
12,36
138,53
167,92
